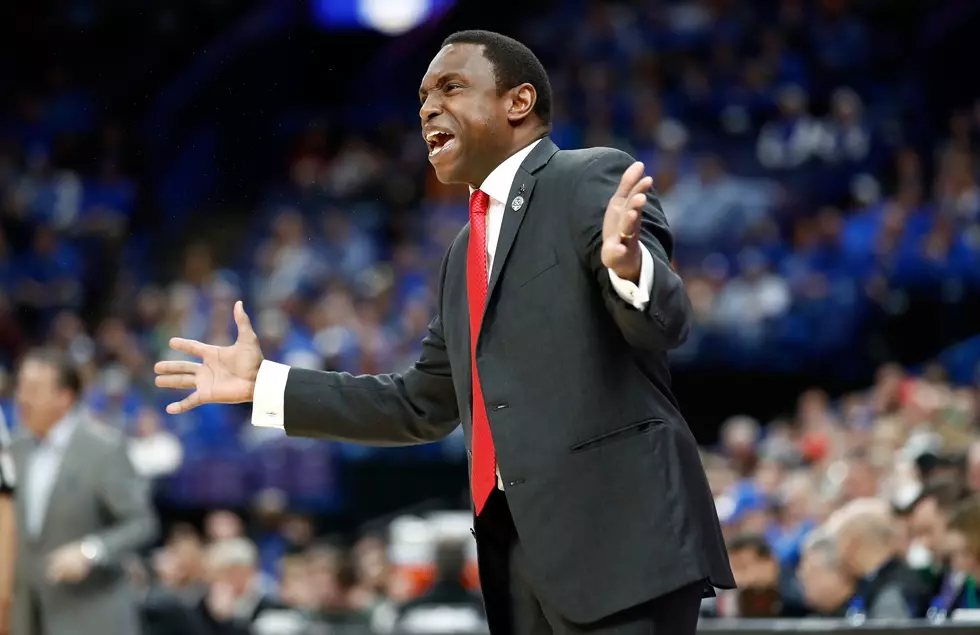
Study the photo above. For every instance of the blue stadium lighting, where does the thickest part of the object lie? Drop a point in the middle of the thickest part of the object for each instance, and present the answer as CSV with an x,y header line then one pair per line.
x,y
391,17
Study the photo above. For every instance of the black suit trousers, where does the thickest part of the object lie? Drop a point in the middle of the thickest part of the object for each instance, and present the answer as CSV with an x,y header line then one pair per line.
x,y
514,608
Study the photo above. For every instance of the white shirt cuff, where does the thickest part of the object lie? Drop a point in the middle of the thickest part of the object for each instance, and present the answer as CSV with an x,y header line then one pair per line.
x,y
636,295
269,395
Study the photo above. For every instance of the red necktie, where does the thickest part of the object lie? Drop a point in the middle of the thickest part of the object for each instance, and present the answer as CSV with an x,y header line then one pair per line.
x,y
484,477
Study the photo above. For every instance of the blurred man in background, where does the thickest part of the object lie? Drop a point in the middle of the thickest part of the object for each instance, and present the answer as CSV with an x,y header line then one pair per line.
x,y
764,589
928,526
81,509
827,587
865,532
963,542
180,564
235,599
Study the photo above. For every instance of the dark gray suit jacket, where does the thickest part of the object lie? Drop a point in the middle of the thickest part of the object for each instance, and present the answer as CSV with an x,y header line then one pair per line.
x,y
601,472
96,493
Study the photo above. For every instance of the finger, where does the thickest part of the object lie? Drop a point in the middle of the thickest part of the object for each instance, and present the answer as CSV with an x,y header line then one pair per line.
x,y
643,185
180,382
192,401
614,250
176,368
243,321
190,347
630,177
629,220
629,223
629,227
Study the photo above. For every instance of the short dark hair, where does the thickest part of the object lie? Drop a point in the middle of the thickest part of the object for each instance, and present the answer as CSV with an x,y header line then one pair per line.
x,y
450,559
513,64
947,493
66,371
756,543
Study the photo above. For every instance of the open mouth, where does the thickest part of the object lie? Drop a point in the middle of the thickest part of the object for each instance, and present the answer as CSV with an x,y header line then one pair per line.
x,y
439,142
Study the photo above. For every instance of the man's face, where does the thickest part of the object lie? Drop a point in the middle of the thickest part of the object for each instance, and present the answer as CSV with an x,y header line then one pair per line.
x,y
973,469
235,576
927,526
961,558
753,571
41,400
861,480
464,119
223,525
824,588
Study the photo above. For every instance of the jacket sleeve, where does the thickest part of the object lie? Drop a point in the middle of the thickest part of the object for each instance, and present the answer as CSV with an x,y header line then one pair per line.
x,y
408,408
665,321
125,498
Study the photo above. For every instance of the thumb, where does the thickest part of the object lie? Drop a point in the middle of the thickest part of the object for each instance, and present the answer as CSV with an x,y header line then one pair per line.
x,y
614,249
241,320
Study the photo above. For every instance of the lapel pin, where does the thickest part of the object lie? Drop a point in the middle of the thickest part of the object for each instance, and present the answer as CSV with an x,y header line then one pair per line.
x,y
521,191
517,203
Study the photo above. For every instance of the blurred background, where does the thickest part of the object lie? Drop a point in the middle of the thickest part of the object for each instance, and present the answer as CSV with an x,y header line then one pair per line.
x,y
817,161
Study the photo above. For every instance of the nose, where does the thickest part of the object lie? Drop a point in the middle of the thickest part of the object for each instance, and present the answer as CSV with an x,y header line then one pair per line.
x,y
430,108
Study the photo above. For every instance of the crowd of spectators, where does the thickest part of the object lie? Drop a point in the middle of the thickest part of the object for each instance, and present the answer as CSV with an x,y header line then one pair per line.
x,y
221,580
866,505
800,194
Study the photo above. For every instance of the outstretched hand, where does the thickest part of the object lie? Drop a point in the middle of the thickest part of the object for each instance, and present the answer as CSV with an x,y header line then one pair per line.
x,y
621,225
225,374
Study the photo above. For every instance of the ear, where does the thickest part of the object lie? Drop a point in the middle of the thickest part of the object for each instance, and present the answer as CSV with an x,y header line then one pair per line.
x,y
522,100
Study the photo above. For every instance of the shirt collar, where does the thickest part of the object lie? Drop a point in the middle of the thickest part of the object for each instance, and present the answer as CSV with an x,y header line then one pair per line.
x,y
497,184
60,434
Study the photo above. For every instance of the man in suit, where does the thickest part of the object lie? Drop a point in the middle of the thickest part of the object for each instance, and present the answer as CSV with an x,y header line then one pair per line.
x,y
865,533
557,306
80,509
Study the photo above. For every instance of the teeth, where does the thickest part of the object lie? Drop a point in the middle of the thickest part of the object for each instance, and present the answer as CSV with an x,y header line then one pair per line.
x,y
435,134
436,150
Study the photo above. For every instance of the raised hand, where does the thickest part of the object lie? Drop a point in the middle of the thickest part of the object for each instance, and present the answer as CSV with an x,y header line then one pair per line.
x,y
621,225
225,374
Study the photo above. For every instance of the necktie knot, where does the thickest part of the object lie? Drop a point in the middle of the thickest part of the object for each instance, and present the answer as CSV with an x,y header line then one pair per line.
x,y
479,202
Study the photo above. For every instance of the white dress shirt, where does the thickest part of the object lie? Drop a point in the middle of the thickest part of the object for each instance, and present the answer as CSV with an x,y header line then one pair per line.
x,y
270,385
43,466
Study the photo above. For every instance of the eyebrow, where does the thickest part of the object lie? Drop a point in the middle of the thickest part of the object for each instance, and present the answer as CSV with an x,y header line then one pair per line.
x,y
440,82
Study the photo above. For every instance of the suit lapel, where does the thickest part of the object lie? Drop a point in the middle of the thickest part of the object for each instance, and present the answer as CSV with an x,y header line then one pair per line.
x,y
20,451
520,192
67,479
516,206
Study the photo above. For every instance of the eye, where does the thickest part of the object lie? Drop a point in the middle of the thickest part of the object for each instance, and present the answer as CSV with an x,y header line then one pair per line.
x,y
452,87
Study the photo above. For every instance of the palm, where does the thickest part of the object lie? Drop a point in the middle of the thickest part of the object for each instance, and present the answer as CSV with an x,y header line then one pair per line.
x,y
621,223
225,374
